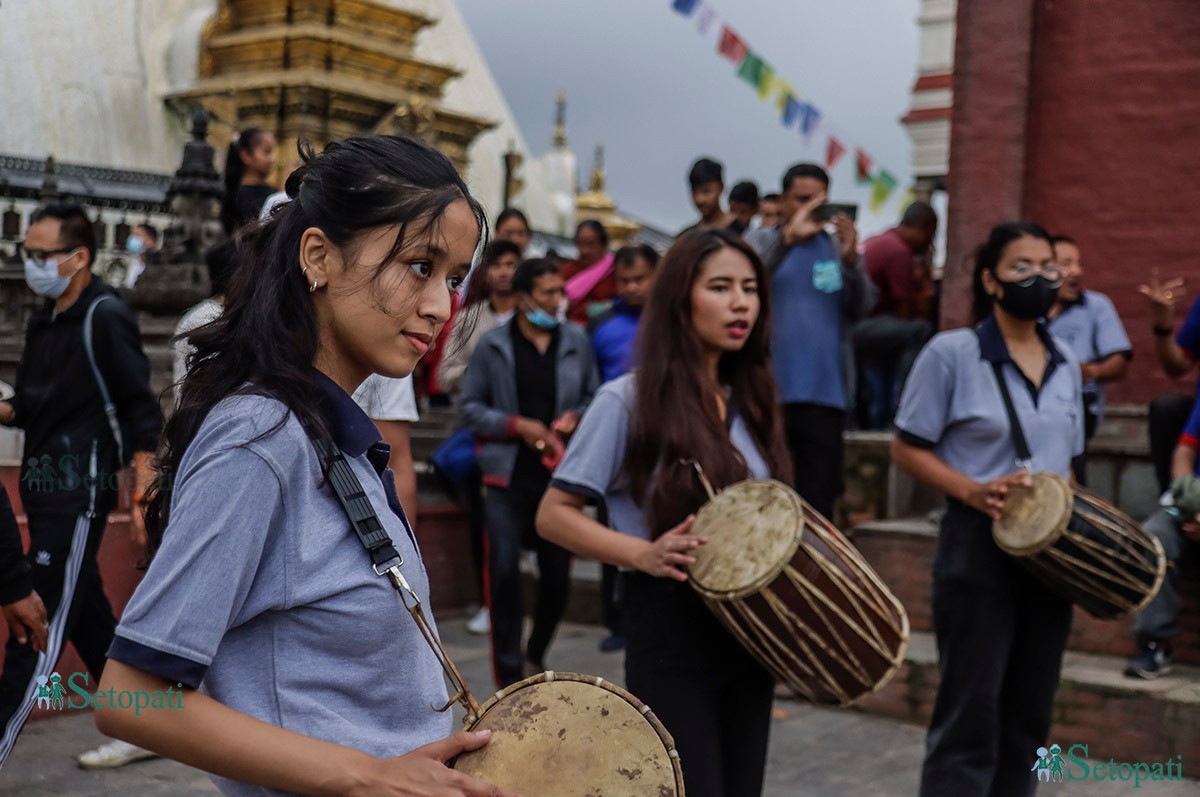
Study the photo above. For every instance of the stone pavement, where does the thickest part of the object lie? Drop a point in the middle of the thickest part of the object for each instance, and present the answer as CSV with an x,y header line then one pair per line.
x,y
814,752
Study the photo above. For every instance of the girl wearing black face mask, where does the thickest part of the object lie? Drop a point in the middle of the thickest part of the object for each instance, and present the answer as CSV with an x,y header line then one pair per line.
x,y
1000,633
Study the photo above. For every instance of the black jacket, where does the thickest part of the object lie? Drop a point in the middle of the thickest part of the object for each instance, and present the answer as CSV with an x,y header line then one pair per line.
x,y
59,405
14,566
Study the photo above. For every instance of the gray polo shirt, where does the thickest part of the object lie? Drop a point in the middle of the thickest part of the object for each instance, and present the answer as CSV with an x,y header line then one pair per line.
x,y
262,596
1091,327
952,404
592,464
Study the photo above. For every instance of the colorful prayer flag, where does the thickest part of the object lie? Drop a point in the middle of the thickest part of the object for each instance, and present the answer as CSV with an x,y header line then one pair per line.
x,y
808,119
885,184
784,92
833,153
862,164
751,70
766,82
705,19
791,111
732,47
686,7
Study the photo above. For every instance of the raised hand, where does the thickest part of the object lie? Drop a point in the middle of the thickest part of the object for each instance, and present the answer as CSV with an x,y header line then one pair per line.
x,y
802,226
1162,296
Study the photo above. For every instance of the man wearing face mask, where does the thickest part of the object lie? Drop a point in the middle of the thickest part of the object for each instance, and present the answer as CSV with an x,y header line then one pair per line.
x,y
141,241
79,434
523,393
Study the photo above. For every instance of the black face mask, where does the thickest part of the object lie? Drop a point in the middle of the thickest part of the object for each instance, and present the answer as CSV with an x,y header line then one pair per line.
x,y
1028,301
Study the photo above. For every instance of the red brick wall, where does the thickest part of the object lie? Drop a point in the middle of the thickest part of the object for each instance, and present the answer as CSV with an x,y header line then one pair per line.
x,y
1083,116
987,135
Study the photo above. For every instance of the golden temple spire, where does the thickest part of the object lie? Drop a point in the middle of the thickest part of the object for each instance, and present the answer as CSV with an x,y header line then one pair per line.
x,y
560,120
597,185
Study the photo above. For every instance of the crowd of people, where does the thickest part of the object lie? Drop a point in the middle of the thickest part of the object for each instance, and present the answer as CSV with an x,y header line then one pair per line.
x,y
588,391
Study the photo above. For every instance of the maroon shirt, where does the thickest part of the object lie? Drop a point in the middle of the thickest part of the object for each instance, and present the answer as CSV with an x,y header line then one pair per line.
x,y
605,291
890,265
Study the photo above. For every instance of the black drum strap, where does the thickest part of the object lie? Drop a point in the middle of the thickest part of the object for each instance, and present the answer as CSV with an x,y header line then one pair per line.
x,y
354,501
1024,457
386,561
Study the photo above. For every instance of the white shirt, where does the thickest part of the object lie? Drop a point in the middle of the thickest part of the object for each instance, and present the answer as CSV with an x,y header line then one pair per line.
x,y
385,399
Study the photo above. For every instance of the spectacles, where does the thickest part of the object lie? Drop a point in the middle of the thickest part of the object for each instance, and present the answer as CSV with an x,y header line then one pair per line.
x,y
40,256
1024,274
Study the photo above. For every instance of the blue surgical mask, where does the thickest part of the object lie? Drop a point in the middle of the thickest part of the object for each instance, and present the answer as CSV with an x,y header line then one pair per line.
x,y
44,279
541,319
134,245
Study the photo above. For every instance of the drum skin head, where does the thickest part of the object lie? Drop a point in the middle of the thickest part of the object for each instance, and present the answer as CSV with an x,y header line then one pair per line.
x,y
1034,517
569,735
753,528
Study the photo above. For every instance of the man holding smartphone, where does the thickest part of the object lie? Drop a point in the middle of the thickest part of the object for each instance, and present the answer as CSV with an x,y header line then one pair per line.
x,y
820,288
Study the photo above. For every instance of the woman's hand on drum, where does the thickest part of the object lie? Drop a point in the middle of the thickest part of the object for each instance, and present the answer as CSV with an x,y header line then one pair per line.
x,y
423,772
666,556
988,497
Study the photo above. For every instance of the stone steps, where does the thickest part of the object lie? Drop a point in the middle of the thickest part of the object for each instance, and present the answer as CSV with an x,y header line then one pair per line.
x,y
901,551
1127,719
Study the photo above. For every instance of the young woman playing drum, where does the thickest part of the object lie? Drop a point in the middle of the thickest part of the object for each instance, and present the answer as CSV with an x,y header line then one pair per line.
x,y
300,671
702,393
1000,633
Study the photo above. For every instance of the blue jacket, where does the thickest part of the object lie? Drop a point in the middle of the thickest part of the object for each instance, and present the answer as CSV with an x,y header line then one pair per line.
x,y
488,402
612,334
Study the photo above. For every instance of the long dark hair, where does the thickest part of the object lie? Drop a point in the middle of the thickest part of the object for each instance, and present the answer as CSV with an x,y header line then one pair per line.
x,y
675,399
266,338
235,170
987,258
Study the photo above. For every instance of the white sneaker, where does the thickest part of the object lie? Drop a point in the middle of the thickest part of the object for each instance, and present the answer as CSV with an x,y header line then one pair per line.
x,y
113,754
480,623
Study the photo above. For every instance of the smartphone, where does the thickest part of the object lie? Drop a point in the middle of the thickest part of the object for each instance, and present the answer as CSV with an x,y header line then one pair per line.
x,y
827,210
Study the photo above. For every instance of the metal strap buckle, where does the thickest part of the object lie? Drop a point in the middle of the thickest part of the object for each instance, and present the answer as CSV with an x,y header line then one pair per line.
x,y
390,564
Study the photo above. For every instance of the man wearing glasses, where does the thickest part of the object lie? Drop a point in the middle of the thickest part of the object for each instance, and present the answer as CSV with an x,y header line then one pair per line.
x,y
85,418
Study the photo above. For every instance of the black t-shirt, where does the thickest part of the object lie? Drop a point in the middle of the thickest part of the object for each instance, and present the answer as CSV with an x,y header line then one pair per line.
x,y
250,199
537,396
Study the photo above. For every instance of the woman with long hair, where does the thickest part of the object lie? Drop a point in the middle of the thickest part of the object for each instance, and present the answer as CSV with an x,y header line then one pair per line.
x,y
702,392
248,165
288,664
1000,632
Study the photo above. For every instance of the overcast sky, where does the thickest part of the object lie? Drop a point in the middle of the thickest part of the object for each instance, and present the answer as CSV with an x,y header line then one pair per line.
x,y
640,78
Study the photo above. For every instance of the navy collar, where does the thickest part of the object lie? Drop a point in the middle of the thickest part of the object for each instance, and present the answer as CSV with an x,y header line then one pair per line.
x,y
1079,302
353,431
993,348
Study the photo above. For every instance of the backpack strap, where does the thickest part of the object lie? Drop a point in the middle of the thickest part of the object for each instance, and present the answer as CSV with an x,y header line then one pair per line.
x,y
110,409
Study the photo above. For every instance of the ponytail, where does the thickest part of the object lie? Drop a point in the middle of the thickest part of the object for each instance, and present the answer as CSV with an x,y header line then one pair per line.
x,y
235,170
